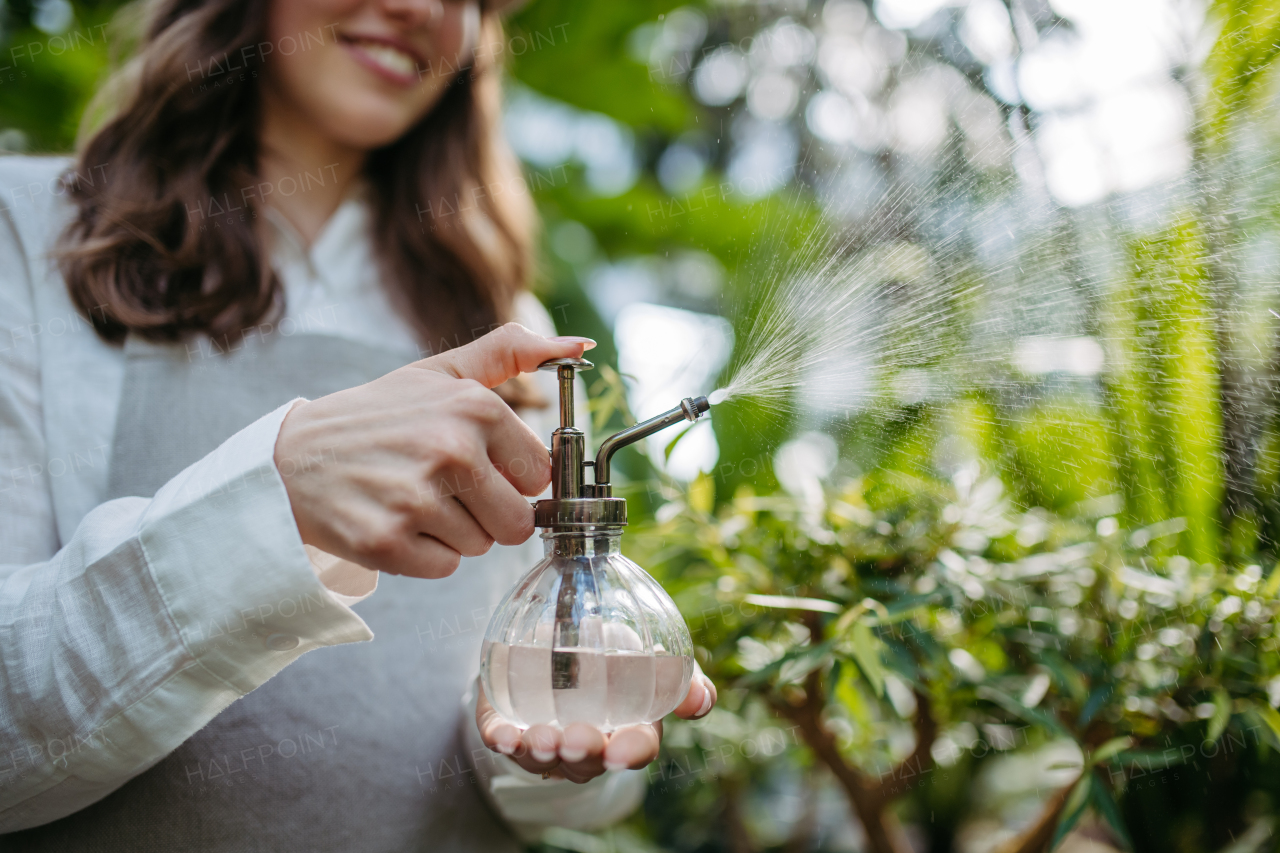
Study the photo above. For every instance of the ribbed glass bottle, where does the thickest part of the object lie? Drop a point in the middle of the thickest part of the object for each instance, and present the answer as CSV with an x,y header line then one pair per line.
x,y
586,636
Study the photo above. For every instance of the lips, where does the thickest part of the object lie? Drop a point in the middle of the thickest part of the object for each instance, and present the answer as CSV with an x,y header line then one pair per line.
x,y
393,62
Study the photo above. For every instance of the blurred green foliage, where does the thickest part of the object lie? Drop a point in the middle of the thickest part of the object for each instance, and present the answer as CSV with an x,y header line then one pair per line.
x,y
1082,605
1004,630
47,78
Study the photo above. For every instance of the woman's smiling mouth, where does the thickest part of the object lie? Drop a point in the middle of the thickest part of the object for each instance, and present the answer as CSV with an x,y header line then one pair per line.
x,y
393,62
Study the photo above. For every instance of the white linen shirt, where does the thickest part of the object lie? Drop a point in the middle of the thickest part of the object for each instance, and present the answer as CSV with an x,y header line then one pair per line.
x,y
103,667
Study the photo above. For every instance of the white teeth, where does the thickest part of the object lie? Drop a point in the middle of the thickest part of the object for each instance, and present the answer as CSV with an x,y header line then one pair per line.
x,y
395,61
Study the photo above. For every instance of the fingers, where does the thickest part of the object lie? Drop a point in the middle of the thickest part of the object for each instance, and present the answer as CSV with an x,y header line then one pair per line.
x,y
518,454
510,447
499,508
449,521
581,752
490,446
495,732
504,353
700,699
633,747
541,749
434,559
461,468
513,447
419,556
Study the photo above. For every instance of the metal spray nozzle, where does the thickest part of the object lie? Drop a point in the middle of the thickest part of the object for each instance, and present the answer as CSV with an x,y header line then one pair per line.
x,y
574,503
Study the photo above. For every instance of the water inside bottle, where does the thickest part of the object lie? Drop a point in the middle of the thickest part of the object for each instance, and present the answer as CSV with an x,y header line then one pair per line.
x,y
606,688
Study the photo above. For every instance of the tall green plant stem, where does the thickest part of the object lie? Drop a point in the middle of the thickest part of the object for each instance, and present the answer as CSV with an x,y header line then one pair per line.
x,y
1226,87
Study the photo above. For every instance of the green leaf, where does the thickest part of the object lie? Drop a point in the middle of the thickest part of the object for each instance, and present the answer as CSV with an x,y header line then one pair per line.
x,y
1151,760
1097,699
1013,706
1253,839
1066,675
608,397
702,494
1074,808
1239,60
802,656
1110,749
848,694
859,611
1270,716
866,651
1106,806
907,606
1221,715
671,445
788,602
1273,583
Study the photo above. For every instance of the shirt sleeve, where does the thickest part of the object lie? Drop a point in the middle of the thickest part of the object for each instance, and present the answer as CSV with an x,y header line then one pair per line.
x,y
119,644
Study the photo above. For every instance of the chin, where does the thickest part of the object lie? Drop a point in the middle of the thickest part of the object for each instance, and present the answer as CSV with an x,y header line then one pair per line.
x,y
369,126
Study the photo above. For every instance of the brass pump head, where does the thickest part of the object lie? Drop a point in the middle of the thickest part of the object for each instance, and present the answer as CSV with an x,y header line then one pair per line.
x,y
575,504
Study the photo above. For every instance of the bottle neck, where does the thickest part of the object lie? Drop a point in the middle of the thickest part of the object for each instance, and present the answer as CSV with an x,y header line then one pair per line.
x,y
600,541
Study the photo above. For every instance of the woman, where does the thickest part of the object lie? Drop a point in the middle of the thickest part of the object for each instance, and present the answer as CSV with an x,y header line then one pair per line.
x,y
219,433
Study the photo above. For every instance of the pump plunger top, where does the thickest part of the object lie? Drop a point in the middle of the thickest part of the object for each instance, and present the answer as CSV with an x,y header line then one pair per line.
x,y
564,368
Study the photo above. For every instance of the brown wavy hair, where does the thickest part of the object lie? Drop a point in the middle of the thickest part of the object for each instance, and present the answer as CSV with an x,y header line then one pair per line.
x,y
134,259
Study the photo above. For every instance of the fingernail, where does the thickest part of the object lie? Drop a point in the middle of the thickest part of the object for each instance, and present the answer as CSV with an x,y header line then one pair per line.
x,y
706,702
570,753
574,339
542,757
506,748
615,765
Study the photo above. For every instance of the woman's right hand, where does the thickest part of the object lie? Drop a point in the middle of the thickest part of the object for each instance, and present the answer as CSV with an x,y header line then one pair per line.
x,y
413,471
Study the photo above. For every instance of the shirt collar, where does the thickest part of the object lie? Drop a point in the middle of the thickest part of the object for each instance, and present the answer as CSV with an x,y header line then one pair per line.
x,y
338,256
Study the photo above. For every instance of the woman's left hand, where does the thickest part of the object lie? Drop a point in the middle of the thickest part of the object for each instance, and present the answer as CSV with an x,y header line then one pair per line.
x,y
581,752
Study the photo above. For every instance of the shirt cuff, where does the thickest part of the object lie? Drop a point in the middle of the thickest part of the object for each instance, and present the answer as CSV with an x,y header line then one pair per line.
x,y
346,581
226,555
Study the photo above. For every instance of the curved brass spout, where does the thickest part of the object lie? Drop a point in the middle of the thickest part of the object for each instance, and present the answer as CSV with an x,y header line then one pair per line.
x,y
690,409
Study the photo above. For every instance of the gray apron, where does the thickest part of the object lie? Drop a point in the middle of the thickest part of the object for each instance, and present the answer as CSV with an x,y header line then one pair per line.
x,y
350,748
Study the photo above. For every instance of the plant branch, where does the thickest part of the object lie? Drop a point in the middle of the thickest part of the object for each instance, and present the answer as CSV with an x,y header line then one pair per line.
x,y
863,791
737,837
1036,838
869,796
896,782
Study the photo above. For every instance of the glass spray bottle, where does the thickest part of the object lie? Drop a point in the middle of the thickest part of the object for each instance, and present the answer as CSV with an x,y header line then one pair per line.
x,y
587,635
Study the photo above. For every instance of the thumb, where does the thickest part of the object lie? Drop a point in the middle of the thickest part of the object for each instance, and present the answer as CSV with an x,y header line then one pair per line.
x,y
503,354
